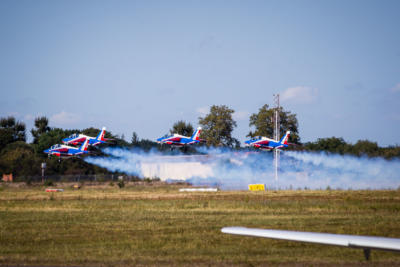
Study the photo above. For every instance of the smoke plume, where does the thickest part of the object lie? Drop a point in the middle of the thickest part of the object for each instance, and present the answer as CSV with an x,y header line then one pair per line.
x,y
229,169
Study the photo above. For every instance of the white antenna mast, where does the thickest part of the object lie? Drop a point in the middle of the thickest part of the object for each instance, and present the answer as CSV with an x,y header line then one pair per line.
x,y
277,127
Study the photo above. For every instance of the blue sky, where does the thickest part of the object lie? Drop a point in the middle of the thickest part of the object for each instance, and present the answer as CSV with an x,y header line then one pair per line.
x,y
143,65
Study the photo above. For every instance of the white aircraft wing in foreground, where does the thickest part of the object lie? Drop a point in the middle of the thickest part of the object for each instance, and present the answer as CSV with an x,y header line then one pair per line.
x,y
364,242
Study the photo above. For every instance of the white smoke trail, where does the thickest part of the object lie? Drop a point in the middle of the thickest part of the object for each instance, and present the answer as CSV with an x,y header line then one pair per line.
x,y
235,170
345,171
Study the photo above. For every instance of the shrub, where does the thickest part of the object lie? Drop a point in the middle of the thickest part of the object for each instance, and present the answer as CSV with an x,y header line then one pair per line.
x,y
121,183
28,181
48,183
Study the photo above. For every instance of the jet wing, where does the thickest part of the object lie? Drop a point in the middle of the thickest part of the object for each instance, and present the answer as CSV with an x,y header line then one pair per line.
x,y
364,242
261,146
174,139
95,142
61,150
74,140
188,141
263,142
174,143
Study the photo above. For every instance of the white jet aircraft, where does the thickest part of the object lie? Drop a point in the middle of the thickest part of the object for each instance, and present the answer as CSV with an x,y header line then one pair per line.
x,y
353,241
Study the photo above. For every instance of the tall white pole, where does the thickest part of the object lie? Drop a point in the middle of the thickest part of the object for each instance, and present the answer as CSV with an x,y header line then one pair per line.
x,y
276,134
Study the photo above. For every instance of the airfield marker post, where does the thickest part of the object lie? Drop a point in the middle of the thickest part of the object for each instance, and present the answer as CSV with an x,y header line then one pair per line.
x,y
43,168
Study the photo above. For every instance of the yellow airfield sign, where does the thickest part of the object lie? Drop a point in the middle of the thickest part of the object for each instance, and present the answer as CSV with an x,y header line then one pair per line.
x,y
256,187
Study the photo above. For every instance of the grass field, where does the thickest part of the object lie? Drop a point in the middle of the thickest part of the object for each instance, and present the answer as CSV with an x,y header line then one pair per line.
x,y
157,225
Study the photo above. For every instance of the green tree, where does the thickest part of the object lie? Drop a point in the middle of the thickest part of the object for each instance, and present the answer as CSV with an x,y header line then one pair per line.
x,y
332,144
19,159
93,132
263,122
390,152
365,147
147,144
42,126
11,131
182,128
218,126
134,139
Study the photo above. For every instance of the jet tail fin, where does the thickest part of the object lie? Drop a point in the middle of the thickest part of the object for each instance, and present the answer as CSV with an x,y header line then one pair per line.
x,y
100,136
84,145
285,138
196,135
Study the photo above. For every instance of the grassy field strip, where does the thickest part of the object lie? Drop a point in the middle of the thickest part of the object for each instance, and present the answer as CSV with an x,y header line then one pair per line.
x,y
159,226
39,194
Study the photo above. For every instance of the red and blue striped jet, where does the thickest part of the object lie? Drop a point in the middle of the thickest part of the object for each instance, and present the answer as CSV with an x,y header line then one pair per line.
x,y
266,143
177,140
76,139
63,151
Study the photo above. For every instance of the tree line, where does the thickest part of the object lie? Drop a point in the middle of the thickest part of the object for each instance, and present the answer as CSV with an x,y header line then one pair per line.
x,y
24,159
